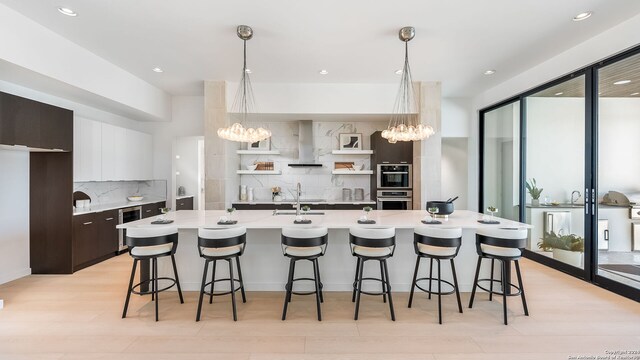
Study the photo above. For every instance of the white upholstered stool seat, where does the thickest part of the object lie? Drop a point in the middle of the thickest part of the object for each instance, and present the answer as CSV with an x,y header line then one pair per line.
x,y
371,251
500,251
151,250
223,251
303,251
436,250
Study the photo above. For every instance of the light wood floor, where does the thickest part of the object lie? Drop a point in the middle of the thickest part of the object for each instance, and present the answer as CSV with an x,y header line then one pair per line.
x,y
78,317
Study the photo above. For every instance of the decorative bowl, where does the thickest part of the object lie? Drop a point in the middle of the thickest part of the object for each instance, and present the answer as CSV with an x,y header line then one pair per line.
x,y
357,167
252,167
135,198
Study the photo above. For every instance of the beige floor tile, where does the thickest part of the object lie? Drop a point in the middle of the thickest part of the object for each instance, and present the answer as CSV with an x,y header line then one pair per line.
x,y
217,344
387,345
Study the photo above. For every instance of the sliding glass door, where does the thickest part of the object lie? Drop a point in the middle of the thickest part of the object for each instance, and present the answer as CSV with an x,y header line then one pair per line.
x,y
618,225
555,171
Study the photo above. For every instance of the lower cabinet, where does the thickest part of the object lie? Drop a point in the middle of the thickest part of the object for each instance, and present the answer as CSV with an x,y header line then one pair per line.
x,y
184,203
95,238
150,210
108,234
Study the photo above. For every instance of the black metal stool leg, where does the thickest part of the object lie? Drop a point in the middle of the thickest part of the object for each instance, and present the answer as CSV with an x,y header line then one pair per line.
x,y
133,274
316,271
155,283
455,285
359,288
202,287
388,286
491,281
244,297
175,273
288,287
524,300
413,283
475,282
213,281
355,281
430,275
505,263
439,292
384,292
233,293
320,282
292,277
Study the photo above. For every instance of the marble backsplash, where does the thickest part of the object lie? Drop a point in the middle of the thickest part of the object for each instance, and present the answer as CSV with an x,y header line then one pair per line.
x,y
317,182
108,192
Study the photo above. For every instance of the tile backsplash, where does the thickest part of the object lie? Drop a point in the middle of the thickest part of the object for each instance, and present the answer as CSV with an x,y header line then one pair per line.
x,y
108,192
317,182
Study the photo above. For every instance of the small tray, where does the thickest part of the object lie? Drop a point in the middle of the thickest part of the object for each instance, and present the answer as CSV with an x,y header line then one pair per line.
x,y
231,222
161,222
431,222
365,222
302,221
489,222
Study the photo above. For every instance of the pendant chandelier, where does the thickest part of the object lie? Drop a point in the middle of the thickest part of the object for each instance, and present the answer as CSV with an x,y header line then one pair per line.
x,y
405,124
243,104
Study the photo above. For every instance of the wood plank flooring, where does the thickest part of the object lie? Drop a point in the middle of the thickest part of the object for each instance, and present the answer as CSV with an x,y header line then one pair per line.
x,y
78,317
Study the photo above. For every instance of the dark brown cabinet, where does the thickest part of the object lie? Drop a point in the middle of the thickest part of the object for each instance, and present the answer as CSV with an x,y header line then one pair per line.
x,y
34,124
184,203
387,153
107,232
85,239
150,210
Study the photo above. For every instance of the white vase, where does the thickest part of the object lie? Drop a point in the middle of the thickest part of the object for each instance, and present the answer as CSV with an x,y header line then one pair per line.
x,y
277,198
535,202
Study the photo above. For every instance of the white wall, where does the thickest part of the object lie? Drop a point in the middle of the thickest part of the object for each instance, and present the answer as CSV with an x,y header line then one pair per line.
x,y
14,215
187,119
454,170
187,166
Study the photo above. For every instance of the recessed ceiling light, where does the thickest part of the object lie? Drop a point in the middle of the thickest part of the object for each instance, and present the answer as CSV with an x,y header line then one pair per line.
x,y
635,93
177,156
398,72
67,11
157,69
489,72
248,71
558,93
323,72
582,16
621,82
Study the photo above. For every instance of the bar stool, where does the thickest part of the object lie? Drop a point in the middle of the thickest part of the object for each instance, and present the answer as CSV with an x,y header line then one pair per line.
x,y
504,245
221,244
372,244
150,243
439,244
304,243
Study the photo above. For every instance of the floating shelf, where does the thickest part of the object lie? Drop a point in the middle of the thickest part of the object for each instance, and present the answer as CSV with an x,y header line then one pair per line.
x,y
352,152
259,172
352,172
258,152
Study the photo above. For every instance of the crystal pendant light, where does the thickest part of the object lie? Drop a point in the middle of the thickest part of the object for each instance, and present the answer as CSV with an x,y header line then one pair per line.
x,y
243,104
404,124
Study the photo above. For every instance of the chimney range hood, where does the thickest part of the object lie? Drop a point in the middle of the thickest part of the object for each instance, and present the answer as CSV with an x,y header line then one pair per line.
x,y
305,145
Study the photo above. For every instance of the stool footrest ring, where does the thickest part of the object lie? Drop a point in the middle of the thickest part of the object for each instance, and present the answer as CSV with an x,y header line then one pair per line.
x,y
312,292
224,292
519,291
148,292
436,292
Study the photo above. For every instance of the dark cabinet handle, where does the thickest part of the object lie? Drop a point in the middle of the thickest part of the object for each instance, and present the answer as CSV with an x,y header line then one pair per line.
x,y
88,223
606,235
108,219
148,211
181,204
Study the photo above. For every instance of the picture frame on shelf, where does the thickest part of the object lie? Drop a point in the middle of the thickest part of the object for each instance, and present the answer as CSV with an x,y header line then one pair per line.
x,y
263,145
350,141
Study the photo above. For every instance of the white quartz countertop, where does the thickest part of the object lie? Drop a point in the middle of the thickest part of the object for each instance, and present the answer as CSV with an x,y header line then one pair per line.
x,y
292,202
116,205
334,219
183,197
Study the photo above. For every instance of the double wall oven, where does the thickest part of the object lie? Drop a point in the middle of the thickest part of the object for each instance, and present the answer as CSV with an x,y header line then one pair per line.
x,y
394,187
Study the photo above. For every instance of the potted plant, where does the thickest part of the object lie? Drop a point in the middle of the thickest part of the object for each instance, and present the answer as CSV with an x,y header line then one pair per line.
x,y
492,210
275,194
534,191
366,210
566,248
230,212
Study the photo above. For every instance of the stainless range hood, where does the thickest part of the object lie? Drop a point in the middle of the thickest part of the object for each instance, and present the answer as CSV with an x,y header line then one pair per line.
x,y
305,145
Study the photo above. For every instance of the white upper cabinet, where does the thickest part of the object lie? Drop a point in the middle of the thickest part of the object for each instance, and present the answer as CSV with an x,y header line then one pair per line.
x,y
104,152
87,144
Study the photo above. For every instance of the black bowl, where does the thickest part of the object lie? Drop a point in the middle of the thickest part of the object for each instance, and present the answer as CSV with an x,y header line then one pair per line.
x,y
444,208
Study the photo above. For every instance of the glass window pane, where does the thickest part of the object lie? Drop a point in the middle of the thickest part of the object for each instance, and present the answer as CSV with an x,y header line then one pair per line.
x,y
501,160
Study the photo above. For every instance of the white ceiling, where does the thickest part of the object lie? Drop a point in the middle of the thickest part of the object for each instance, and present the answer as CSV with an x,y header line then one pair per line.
x,y
355,40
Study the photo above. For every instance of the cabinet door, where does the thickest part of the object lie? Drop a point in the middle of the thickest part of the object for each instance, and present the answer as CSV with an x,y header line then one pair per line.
x,y
184,204
20,121
56,128
387,153
121,154
146,157
109,152
108,234
85,239
87,154
150,210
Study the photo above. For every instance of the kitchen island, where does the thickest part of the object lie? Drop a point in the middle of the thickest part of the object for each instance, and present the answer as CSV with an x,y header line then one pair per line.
x,y
264,268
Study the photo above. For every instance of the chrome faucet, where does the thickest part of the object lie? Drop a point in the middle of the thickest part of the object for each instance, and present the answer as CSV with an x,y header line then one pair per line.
x,y
577,198
298,192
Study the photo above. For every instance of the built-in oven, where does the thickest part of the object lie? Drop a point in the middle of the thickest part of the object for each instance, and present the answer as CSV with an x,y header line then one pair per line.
x,y
124,216
394,176
394,200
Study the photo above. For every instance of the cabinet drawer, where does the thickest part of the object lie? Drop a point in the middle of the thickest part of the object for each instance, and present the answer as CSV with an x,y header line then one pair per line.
x,y
107,232
184,204
85,239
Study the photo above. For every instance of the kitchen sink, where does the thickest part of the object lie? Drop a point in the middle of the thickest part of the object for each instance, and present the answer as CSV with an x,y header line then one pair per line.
x,y
293,212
